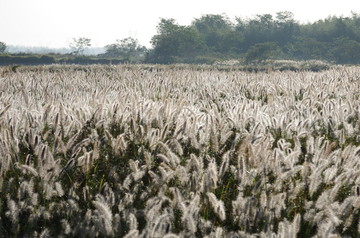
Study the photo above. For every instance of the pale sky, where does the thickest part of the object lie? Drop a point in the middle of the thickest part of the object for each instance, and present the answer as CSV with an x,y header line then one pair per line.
x,y
53,23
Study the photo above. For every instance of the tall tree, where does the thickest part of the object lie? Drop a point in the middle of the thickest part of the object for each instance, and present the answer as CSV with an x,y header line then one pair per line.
x,y
262,51
217,32
258,30
78,45
127,48
174,42
346,51
285,26
2,47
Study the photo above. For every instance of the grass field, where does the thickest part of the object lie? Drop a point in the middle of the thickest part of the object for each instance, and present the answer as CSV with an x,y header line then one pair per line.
x,y
167,151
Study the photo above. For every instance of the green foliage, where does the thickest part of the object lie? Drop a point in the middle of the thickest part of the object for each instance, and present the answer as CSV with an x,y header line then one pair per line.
x,y
212,38
264,37
346,51
2,47
173,42
78,45
217,33
26,60
128,49
262,51
33,59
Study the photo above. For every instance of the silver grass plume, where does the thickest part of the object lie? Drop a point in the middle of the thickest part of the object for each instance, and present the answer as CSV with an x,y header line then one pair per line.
x,y
210,178
59,190
133,223
45,233
224,165
65,227
189,214
13,212
105,216
171,236
331,215
3,111
295,226
28,169
132,234
162,225
217,205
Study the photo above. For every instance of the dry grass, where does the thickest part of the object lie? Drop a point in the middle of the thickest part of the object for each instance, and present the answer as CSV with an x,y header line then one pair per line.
x,y
147,151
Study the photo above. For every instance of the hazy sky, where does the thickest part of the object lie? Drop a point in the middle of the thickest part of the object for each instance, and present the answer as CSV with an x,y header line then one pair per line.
x,y
53,23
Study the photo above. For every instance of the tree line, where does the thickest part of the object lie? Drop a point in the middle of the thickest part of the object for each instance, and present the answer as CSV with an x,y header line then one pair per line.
x,y
215,37
334,39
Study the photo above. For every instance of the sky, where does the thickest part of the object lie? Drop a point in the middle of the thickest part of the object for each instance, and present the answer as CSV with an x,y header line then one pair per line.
x,y
54,23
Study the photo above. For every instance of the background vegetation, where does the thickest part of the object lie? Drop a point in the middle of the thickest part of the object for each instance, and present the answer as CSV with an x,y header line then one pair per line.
x,y
211,38
335,39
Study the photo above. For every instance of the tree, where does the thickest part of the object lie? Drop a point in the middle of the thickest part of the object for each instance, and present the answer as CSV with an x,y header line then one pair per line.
x,y
309,48
262,51
346,51
217,32
285,27
2,47
127,48
259,30
175,43
78,45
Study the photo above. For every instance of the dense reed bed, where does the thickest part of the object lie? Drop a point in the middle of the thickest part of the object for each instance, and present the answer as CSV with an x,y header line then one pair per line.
x,y
140,151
